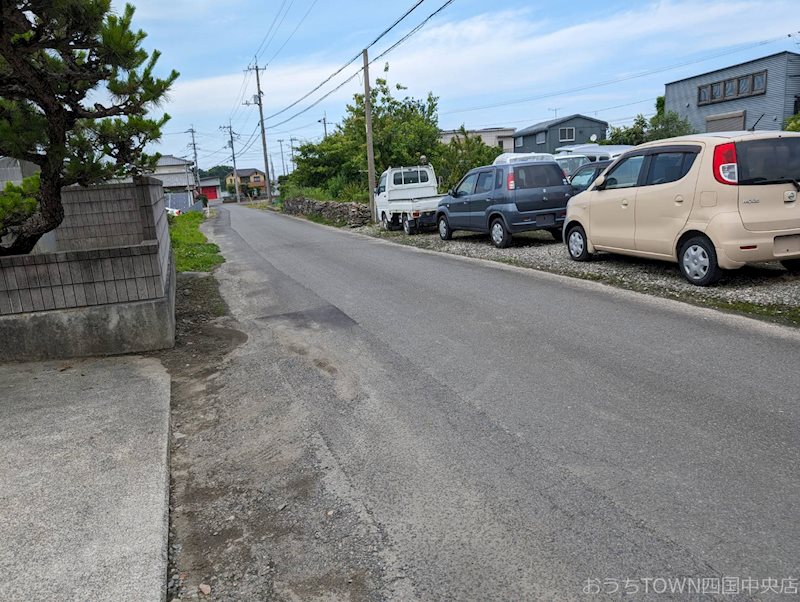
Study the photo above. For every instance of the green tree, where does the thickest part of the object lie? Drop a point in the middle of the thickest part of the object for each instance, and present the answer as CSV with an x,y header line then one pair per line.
x,y
403,130
218,171
461,154
664,124
75,91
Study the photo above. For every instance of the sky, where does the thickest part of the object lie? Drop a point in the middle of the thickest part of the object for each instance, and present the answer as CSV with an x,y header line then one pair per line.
x,y
512,63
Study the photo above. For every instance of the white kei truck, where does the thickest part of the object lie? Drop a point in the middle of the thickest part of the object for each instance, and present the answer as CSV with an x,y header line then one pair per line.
x,y
407,197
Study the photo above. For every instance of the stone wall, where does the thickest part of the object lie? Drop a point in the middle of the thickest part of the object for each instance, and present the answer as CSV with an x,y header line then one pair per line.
x,y
352,214
108,287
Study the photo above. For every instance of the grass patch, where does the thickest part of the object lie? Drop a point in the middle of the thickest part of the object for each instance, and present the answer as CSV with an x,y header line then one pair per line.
x,y
193,252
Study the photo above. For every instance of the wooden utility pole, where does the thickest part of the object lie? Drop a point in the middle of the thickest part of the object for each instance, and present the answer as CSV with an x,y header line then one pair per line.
x,y
370,149
259,101
233,156
291,152
324,122
196,167
283,161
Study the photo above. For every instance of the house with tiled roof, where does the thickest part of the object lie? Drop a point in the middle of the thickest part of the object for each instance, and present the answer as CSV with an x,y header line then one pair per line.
x,y
546,136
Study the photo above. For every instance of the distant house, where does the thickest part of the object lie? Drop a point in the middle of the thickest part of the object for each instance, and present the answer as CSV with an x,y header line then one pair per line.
x,y
175,174
14,170
250,177
211,187
546,136
501,137
765,90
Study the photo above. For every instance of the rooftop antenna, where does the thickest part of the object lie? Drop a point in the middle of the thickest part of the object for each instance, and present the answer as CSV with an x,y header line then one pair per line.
x,y
555,112
753,127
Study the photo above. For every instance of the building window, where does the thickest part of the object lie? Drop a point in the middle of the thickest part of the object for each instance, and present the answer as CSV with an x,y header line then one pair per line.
x,y
746,85
256,178
566,134
541,137
759,82
500,143
518,141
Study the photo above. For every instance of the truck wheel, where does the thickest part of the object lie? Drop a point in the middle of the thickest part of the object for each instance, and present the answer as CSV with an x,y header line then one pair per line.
x,y
408,228
501,237
444,228
384,222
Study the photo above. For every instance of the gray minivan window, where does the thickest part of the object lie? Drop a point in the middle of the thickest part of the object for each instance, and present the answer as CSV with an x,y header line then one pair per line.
x,y
768,161
626,174
544,175
485,182
582,180
467,185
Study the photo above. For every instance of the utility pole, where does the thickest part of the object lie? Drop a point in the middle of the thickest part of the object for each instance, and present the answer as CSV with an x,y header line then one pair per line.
x,y
283,161
291,152
324,122
233,156
370,149
194,148
259,101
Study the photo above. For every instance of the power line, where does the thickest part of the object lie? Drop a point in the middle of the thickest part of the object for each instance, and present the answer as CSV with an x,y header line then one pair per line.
x,y
352,77
274,33
350,62
274,20
291,35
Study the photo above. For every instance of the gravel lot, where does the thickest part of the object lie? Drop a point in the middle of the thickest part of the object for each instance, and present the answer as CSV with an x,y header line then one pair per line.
x,y
764,289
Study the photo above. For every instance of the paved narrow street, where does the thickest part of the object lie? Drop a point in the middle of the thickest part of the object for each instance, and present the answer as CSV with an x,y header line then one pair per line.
x,y
511,434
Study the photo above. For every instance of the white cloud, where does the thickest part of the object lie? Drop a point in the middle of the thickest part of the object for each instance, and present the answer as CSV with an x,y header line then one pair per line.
x,y
507,55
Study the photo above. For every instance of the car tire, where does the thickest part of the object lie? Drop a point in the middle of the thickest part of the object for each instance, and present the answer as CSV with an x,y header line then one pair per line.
x,y
793,265
444,228
407,227
577,244
697,260
499,234
556,233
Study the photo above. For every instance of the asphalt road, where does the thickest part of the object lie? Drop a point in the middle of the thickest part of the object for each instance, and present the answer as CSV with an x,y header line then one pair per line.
x,y
513,434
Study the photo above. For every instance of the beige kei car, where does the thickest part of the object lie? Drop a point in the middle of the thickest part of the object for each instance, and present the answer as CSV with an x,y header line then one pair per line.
x,y
709,202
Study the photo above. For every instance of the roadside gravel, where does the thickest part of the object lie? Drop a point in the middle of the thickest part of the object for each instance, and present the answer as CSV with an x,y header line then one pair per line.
x,y
764,289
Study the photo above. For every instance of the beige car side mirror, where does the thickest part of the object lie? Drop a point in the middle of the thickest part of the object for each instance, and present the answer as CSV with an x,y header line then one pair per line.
x,y
599,183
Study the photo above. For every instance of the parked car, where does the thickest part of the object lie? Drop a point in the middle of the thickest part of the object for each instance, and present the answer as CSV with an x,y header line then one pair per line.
x,y
571,162
595,152
504,158
407,197
586,174
708,202
506,199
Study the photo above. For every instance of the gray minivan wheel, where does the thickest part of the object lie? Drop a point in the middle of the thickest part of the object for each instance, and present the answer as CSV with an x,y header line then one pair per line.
x,y
499,234
557,234
697,260
793,265
444,228
577,246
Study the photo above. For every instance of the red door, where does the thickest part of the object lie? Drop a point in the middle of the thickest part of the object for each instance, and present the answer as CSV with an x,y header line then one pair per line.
x,y
209,191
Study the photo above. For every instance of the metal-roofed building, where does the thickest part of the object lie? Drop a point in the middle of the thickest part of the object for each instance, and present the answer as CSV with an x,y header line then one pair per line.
x,y
546,136
764,91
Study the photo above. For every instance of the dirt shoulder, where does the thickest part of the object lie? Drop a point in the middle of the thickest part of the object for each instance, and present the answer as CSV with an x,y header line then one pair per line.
x,y
250,515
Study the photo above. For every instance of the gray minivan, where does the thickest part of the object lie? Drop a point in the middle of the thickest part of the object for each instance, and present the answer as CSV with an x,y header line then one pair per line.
x,y
506,199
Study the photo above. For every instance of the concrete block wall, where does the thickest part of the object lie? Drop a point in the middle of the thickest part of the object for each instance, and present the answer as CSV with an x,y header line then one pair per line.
x,y
100,216
68,279
109,286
